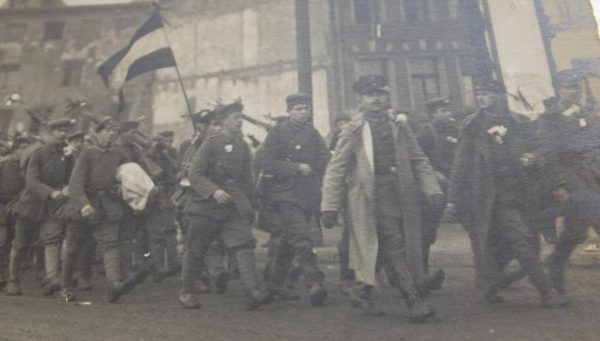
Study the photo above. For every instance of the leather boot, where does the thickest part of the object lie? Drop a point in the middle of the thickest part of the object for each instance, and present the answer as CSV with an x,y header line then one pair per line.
x,y
360,296
247,266
509,277
317,294
432,282
117,287
188,300
418,310
13,287
51,259
556,266
172,253
67,281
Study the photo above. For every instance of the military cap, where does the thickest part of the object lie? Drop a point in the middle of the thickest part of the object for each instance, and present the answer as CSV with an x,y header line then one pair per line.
x,y
106,122
61,123
203,116
298,99
223,111
489,85
370,83
76,135
21,139
129,125
167,133
567,78
435,103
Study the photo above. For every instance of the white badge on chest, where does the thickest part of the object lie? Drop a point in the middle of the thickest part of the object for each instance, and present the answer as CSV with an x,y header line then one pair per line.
x,y
582,122
298,147
228,148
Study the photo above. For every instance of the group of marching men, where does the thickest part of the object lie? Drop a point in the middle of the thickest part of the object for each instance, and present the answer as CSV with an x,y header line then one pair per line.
x,y
387,177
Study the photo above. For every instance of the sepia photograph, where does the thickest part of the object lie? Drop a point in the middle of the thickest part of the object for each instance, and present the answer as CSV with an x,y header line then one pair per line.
x,y
300,170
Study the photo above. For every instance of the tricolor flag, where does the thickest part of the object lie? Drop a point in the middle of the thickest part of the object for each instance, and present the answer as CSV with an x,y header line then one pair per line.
x,y
147,50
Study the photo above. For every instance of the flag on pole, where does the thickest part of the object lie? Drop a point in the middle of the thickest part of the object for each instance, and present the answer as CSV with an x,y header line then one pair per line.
x,y
147,50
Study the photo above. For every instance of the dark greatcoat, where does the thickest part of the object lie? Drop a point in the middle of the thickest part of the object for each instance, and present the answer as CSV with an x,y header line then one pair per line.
x,y
472,186
48,170
222,162
285,147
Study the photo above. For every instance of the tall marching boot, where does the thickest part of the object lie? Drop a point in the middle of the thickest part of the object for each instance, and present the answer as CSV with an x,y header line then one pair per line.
x,y
419,311
531,265
247,266
117,287
67,280
13,287
51,259
556,266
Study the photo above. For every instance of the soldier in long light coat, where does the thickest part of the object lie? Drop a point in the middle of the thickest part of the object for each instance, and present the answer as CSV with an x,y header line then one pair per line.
x,y
378,164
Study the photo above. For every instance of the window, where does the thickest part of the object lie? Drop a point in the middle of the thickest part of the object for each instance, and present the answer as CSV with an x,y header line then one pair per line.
x,y
363,13
573,12
15,32
5,119
424,78
72,72
414,11
9,75
53,30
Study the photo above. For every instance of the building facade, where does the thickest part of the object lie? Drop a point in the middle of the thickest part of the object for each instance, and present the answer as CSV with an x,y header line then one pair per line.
x,y
49,53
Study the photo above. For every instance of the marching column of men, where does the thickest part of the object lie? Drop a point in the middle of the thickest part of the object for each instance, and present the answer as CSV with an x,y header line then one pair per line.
x,y
388,177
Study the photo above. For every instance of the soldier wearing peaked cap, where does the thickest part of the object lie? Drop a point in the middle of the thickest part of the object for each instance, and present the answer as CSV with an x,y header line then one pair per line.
x,y
12,183
96,205
47,176
222,204
494,193
438,137
377,165
570,139
292,161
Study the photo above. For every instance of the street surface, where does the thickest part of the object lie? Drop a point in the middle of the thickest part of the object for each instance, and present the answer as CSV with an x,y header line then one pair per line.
x,y
151,312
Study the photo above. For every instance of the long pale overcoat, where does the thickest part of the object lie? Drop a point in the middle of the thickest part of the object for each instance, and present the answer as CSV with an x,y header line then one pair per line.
x,y
349,183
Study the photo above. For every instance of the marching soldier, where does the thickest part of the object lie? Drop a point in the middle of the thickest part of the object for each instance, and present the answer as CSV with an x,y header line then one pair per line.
x,y
377,170
96,205
570,144
292,160
222,204
12,183
493,195
47,176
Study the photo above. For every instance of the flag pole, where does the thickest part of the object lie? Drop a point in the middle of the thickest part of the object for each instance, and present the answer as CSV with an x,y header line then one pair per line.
x,y
187,101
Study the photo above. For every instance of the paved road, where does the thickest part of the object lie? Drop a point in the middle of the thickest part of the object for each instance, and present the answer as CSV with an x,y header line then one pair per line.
x,y
152,313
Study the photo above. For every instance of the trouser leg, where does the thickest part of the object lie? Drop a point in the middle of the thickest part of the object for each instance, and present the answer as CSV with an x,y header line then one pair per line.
x,y
73,247
346,274
51,235
201,232
296,232
517,237
391,241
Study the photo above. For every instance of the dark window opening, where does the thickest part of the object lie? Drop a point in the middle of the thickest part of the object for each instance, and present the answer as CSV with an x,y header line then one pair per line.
x,y
53,30
73,70
8,75
363,13
15,32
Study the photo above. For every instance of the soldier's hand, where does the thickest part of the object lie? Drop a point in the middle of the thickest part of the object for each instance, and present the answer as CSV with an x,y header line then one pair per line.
x,y
221,196
450,209
560,194
437,202
305,169
56,195
329,219
527,159
87,211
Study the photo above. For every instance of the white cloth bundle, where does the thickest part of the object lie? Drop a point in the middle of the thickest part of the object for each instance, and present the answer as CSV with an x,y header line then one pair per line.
x,y
136,185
